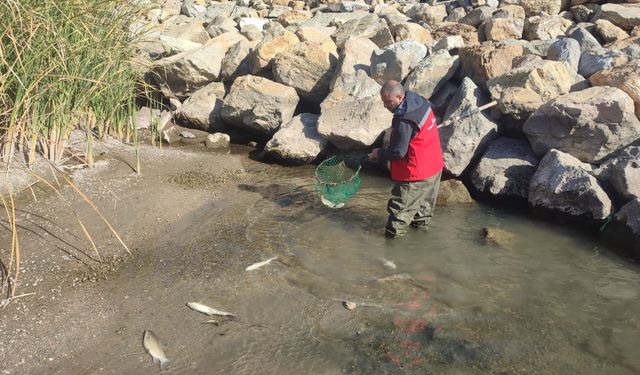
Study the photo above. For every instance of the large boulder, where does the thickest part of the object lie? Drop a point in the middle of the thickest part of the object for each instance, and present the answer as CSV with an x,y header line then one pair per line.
x,y
535,7
468,33
594,61
547,27
431,73
202,109
308,69
355,55
309,34
298,140
505,169
629,216
180,75
565,184
396,61
478,16
625,77
465,139
276,39
623,172
503,28
258,104
609,32
621,15
353,116
431,15
236,62
411,31
586,40
487,61
566,50
522,90
588,124
370,27
453,192
173,46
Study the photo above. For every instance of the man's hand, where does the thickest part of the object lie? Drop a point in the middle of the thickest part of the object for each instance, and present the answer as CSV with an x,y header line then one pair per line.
x,y
374,155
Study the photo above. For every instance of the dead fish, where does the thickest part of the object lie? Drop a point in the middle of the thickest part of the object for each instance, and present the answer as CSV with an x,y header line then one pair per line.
x,y
389,263
207,310
255,266
153,347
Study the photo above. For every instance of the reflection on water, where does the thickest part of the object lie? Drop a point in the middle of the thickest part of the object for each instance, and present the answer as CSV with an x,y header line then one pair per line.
x,y
549,303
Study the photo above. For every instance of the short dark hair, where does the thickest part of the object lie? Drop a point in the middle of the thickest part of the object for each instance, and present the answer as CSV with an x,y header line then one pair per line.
x,y
392,88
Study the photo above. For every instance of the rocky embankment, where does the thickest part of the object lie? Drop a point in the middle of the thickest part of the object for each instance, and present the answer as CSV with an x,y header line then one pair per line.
x,y
305,75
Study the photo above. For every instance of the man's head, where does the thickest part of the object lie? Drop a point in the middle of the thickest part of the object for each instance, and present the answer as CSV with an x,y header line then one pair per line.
x,y
392,95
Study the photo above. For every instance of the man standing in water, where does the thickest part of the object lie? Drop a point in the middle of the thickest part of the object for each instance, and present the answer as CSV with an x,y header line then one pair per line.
x,y
415,157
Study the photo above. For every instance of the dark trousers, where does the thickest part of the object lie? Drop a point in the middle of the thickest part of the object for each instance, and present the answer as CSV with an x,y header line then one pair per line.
x,y
412,203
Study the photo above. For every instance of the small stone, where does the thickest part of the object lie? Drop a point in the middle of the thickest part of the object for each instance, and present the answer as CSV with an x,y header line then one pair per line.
x,y
217,140
187,134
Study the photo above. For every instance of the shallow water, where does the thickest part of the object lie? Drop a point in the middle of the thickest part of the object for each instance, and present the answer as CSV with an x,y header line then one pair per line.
x,y
547,301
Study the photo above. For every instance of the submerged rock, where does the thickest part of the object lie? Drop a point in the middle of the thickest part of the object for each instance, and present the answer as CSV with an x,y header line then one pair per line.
x,y
623,172
453,192
298,140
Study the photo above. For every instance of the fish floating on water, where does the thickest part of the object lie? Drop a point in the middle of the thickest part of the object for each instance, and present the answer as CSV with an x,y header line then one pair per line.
x,y
389,263
153,347
255,266
207,310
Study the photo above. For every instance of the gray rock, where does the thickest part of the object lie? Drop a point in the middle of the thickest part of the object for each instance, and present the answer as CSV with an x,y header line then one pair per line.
x,y
449,43
581,13
298,140
565,50
431,15
180,75
236,62
173,46
431,73
478,16
276,40
453,192
594,61
396,61
456,15
623,172
221,25
580,83
503,28
538,47
187,134
202,109
565,184
353,116
193,10
629,215
149,118
505,169
440,100
588,124
624,16
466,138
587,41
252,33
228,9
308,69
258,104
217,140
355,55
369,26
510,11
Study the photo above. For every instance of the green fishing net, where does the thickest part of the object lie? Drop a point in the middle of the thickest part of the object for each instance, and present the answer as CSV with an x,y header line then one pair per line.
x,y
337,180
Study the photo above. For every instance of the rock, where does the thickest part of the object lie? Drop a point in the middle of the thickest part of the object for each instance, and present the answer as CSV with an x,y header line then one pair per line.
x,y
431,73
478,16
396,61
565,50
432,15
193,10
456,15
624,16
256,22
538,47
588,124
581,13
221,25
230,10
510,11
252,33
499,237
635,31
257,104
293,17
148,118
226,40
187,134
466,138
592,62
236,62
535,7
353,116
522,90
609,32
310,34
587,41
353,6
453,192
180,75
622,171
173,46
629,216
171,135
448,43
505,169
276,40
202,109
355,55
308,69
548,27
297,141
217,140
487,61
563,183
625,77
503,28
192,30
370,27
468,33
411,31
440,100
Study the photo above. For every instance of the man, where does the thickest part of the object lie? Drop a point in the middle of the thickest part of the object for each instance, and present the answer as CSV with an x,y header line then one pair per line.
x,y
415,158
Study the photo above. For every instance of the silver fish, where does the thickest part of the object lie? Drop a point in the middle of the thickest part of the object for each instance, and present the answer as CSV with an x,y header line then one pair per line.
x,y
255,266
389,263
153,347
207,310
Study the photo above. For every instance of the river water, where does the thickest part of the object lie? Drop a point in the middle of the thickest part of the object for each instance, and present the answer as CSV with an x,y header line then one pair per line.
x,y
547,300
